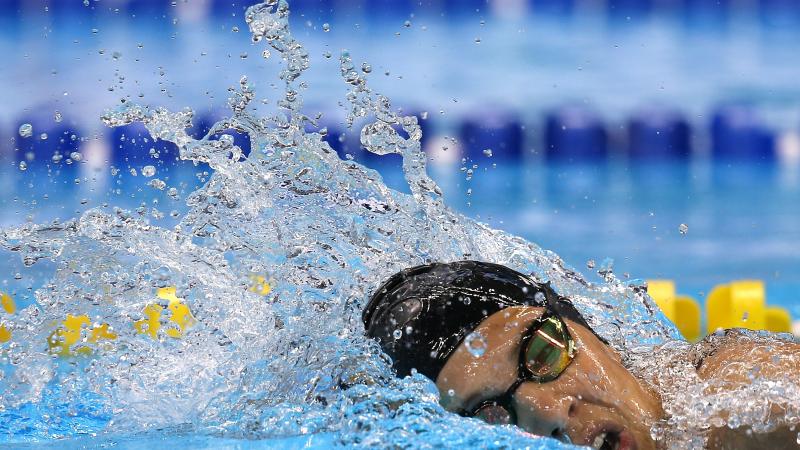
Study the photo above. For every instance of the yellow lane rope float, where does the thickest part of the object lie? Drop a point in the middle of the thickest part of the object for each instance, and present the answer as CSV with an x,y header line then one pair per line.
x,y
778,320
259,285
683,311
739,304
180,316
66,339
7,305
72,336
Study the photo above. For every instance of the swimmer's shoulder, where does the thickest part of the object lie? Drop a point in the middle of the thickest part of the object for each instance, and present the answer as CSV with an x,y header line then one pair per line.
x,y
729,360
733,353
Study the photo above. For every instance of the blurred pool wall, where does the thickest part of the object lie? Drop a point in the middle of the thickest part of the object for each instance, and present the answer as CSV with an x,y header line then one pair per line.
x,y
663,134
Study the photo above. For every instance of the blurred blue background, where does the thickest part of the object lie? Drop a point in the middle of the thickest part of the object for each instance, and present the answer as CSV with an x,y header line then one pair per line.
x,y
662,134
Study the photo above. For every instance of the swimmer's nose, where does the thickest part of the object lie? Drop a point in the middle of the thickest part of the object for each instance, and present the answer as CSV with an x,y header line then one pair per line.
x,y
540,411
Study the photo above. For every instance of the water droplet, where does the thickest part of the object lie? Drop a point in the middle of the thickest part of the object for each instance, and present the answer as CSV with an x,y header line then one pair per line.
x,y
76,156
26,130
43,136
477,40
366,68
148,171
540,298
326,27
606,269
683,229
590,264
407,24
265,54
488,152
397,334
23,165
157,184
57,116
476,344
451,392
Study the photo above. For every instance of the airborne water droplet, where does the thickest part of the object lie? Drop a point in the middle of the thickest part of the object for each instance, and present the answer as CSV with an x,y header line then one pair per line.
x,y
476,344
148,171
157,184
683,229
26,130
326,27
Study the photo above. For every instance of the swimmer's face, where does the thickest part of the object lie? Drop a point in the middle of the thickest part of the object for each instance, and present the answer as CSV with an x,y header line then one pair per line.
x,y
594,402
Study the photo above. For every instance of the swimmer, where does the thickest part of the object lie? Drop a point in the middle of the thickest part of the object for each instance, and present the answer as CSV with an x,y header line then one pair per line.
x,y
507,350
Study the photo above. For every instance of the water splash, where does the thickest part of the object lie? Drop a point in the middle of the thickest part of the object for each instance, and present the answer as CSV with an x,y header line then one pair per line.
x,y
289,360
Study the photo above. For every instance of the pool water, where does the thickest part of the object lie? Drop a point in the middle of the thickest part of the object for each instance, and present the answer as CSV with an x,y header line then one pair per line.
x,y
741,217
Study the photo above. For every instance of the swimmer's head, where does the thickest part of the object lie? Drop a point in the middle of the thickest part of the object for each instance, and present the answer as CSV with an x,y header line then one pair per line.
x,y
530,359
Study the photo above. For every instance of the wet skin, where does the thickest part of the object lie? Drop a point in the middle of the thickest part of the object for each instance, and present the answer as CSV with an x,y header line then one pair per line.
x,y
594,395
732,364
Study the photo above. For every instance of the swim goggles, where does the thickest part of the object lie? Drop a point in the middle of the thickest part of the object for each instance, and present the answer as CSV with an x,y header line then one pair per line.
x,y
547,350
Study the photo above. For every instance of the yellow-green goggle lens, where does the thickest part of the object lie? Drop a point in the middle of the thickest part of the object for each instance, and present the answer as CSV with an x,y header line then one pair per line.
x,y
549,350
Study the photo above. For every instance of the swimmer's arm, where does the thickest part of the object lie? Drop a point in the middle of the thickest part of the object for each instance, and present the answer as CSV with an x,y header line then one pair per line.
x,y
733,364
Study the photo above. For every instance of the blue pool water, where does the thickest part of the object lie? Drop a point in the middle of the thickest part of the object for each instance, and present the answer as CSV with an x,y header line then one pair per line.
x,y
741,218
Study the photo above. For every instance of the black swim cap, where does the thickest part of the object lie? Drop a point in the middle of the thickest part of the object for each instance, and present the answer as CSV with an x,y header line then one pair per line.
x,y
421,315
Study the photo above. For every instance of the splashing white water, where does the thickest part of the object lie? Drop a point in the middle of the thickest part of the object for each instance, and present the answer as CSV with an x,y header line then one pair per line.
x,y
325,231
